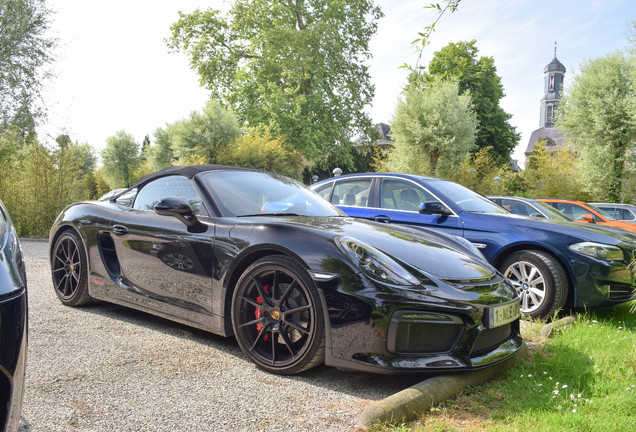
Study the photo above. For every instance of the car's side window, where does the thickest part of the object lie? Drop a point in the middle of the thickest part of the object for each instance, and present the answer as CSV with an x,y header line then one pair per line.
x,y
627,215
166,187
324,190
352,192
402,195
574,211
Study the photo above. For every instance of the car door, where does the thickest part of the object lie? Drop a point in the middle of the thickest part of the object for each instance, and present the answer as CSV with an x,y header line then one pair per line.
x,y
398,200
158,256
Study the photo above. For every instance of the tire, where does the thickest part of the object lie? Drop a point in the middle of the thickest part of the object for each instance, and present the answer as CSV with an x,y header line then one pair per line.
x,y
69,268
277,316
539,280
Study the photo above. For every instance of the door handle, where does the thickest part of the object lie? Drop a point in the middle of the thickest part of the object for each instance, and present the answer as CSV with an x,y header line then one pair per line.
x,y
120,230
382,218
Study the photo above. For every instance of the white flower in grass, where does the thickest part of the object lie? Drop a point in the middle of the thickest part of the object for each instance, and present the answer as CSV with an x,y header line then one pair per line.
x,y
574,410
564,386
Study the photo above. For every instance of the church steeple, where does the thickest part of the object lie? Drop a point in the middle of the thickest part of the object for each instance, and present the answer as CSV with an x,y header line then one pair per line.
x,y
553,78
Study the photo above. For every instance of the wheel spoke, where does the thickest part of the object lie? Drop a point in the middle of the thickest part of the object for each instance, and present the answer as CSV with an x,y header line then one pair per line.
x,y
298,309
288,343
251,302
261,291
247,324
297,327
260,336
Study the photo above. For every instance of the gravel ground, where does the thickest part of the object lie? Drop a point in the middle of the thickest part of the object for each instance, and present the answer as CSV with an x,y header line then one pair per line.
x,y
108,368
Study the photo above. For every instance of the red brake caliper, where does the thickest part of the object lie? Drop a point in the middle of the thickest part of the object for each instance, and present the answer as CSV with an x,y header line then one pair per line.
x,y
258,313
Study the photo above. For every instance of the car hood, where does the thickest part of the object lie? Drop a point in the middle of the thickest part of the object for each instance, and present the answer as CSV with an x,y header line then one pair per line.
x,y
576,230
429,252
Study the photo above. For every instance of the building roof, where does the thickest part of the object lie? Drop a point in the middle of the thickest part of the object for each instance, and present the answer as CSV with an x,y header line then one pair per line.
x,y
556,140
554,65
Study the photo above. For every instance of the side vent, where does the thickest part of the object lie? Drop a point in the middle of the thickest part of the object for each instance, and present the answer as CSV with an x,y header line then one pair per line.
x,y
109,255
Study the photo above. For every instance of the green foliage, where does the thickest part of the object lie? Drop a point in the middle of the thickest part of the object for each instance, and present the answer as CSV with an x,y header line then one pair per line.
x,y
458,61
201,138
598,114
433,129
120,158
25,51
262,150
478,171
37,183
554,174
296,67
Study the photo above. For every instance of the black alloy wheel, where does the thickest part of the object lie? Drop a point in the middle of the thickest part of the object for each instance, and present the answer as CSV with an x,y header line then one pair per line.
x,y
69,268
277,316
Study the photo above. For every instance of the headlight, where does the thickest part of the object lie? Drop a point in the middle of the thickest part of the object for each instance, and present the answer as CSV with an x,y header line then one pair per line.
x,y
375,263
598,250
470,246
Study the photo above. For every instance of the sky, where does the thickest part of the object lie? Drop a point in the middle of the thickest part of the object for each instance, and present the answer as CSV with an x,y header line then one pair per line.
x,y
114,71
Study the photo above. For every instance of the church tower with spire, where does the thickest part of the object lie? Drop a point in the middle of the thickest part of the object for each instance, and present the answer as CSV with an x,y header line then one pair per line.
x,y
554,74
553,77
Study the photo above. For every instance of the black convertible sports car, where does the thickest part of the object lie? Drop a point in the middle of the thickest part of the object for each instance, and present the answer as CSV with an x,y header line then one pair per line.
x,y
258,256
13,324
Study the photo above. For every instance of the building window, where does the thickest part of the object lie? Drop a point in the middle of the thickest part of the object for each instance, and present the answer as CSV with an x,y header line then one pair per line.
x,y
551,86
548,114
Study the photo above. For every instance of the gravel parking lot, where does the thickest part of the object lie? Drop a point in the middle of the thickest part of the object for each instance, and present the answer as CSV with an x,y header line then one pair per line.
x,y
108,368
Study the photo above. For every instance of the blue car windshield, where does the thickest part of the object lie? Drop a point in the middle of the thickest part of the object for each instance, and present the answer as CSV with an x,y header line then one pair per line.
x,y
465,198
253,193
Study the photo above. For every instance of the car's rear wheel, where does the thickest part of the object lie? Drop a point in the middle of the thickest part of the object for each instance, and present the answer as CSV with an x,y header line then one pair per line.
x,y
70,270
540,281
277,316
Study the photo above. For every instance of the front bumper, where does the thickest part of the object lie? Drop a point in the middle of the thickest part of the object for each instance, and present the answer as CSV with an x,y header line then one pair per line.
x,y
599,283
396,330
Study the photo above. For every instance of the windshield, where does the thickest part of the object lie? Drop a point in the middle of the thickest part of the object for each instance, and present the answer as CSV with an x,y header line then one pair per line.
x,y
552,212
251,193
466,198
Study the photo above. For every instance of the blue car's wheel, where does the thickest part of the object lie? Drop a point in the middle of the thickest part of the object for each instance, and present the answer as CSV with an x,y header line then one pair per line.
x,y
540,282
277,316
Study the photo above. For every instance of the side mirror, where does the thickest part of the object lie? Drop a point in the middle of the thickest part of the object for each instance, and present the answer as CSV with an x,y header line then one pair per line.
x,y
433,207
588,218
179,208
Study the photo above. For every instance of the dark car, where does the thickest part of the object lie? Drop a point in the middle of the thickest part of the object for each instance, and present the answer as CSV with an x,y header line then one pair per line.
x,y
259,256
551,263
529,207
13,324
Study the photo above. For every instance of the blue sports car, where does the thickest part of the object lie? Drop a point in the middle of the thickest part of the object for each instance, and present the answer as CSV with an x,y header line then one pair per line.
x,y
552,264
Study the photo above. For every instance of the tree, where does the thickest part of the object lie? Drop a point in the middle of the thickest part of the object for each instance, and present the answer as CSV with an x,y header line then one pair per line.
x,y
458,61
198,139
433,129
553,174
262,150
295,66
120,158
24,53
598,114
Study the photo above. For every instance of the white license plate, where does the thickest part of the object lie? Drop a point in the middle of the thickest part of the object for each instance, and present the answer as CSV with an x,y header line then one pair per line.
x,y
496,316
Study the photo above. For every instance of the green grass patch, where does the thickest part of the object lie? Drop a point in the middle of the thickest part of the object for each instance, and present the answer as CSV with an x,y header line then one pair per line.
x,y
583,378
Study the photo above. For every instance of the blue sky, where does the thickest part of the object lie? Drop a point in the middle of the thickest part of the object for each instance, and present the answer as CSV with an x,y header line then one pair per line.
x,y
114,71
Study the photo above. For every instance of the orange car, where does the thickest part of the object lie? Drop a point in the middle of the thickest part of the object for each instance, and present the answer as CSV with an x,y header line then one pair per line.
x,y
586,213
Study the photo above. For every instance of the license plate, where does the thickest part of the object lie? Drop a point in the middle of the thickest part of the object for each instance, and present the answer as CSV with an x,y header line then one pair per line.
x,y
496,316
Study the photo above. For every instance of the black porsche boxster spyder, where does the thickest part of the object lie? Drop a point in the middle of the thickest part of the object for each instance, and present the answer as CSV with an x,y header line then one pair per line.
x,y
258,256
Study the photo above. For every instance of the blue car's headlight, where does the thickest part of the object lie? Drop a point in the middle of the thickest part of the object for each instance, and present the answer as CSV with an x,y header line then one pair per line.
x,y
375,263
598,250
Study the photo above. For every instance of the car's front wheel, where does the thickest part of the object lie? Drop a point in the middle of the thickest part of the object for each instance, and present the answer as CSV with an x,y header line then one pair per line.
x,y
277,316
70,270
540,281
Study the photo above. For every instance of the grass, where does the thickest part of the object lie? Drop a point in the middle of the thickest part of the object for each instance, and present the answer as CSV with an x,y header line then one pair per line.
x,y
581,379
